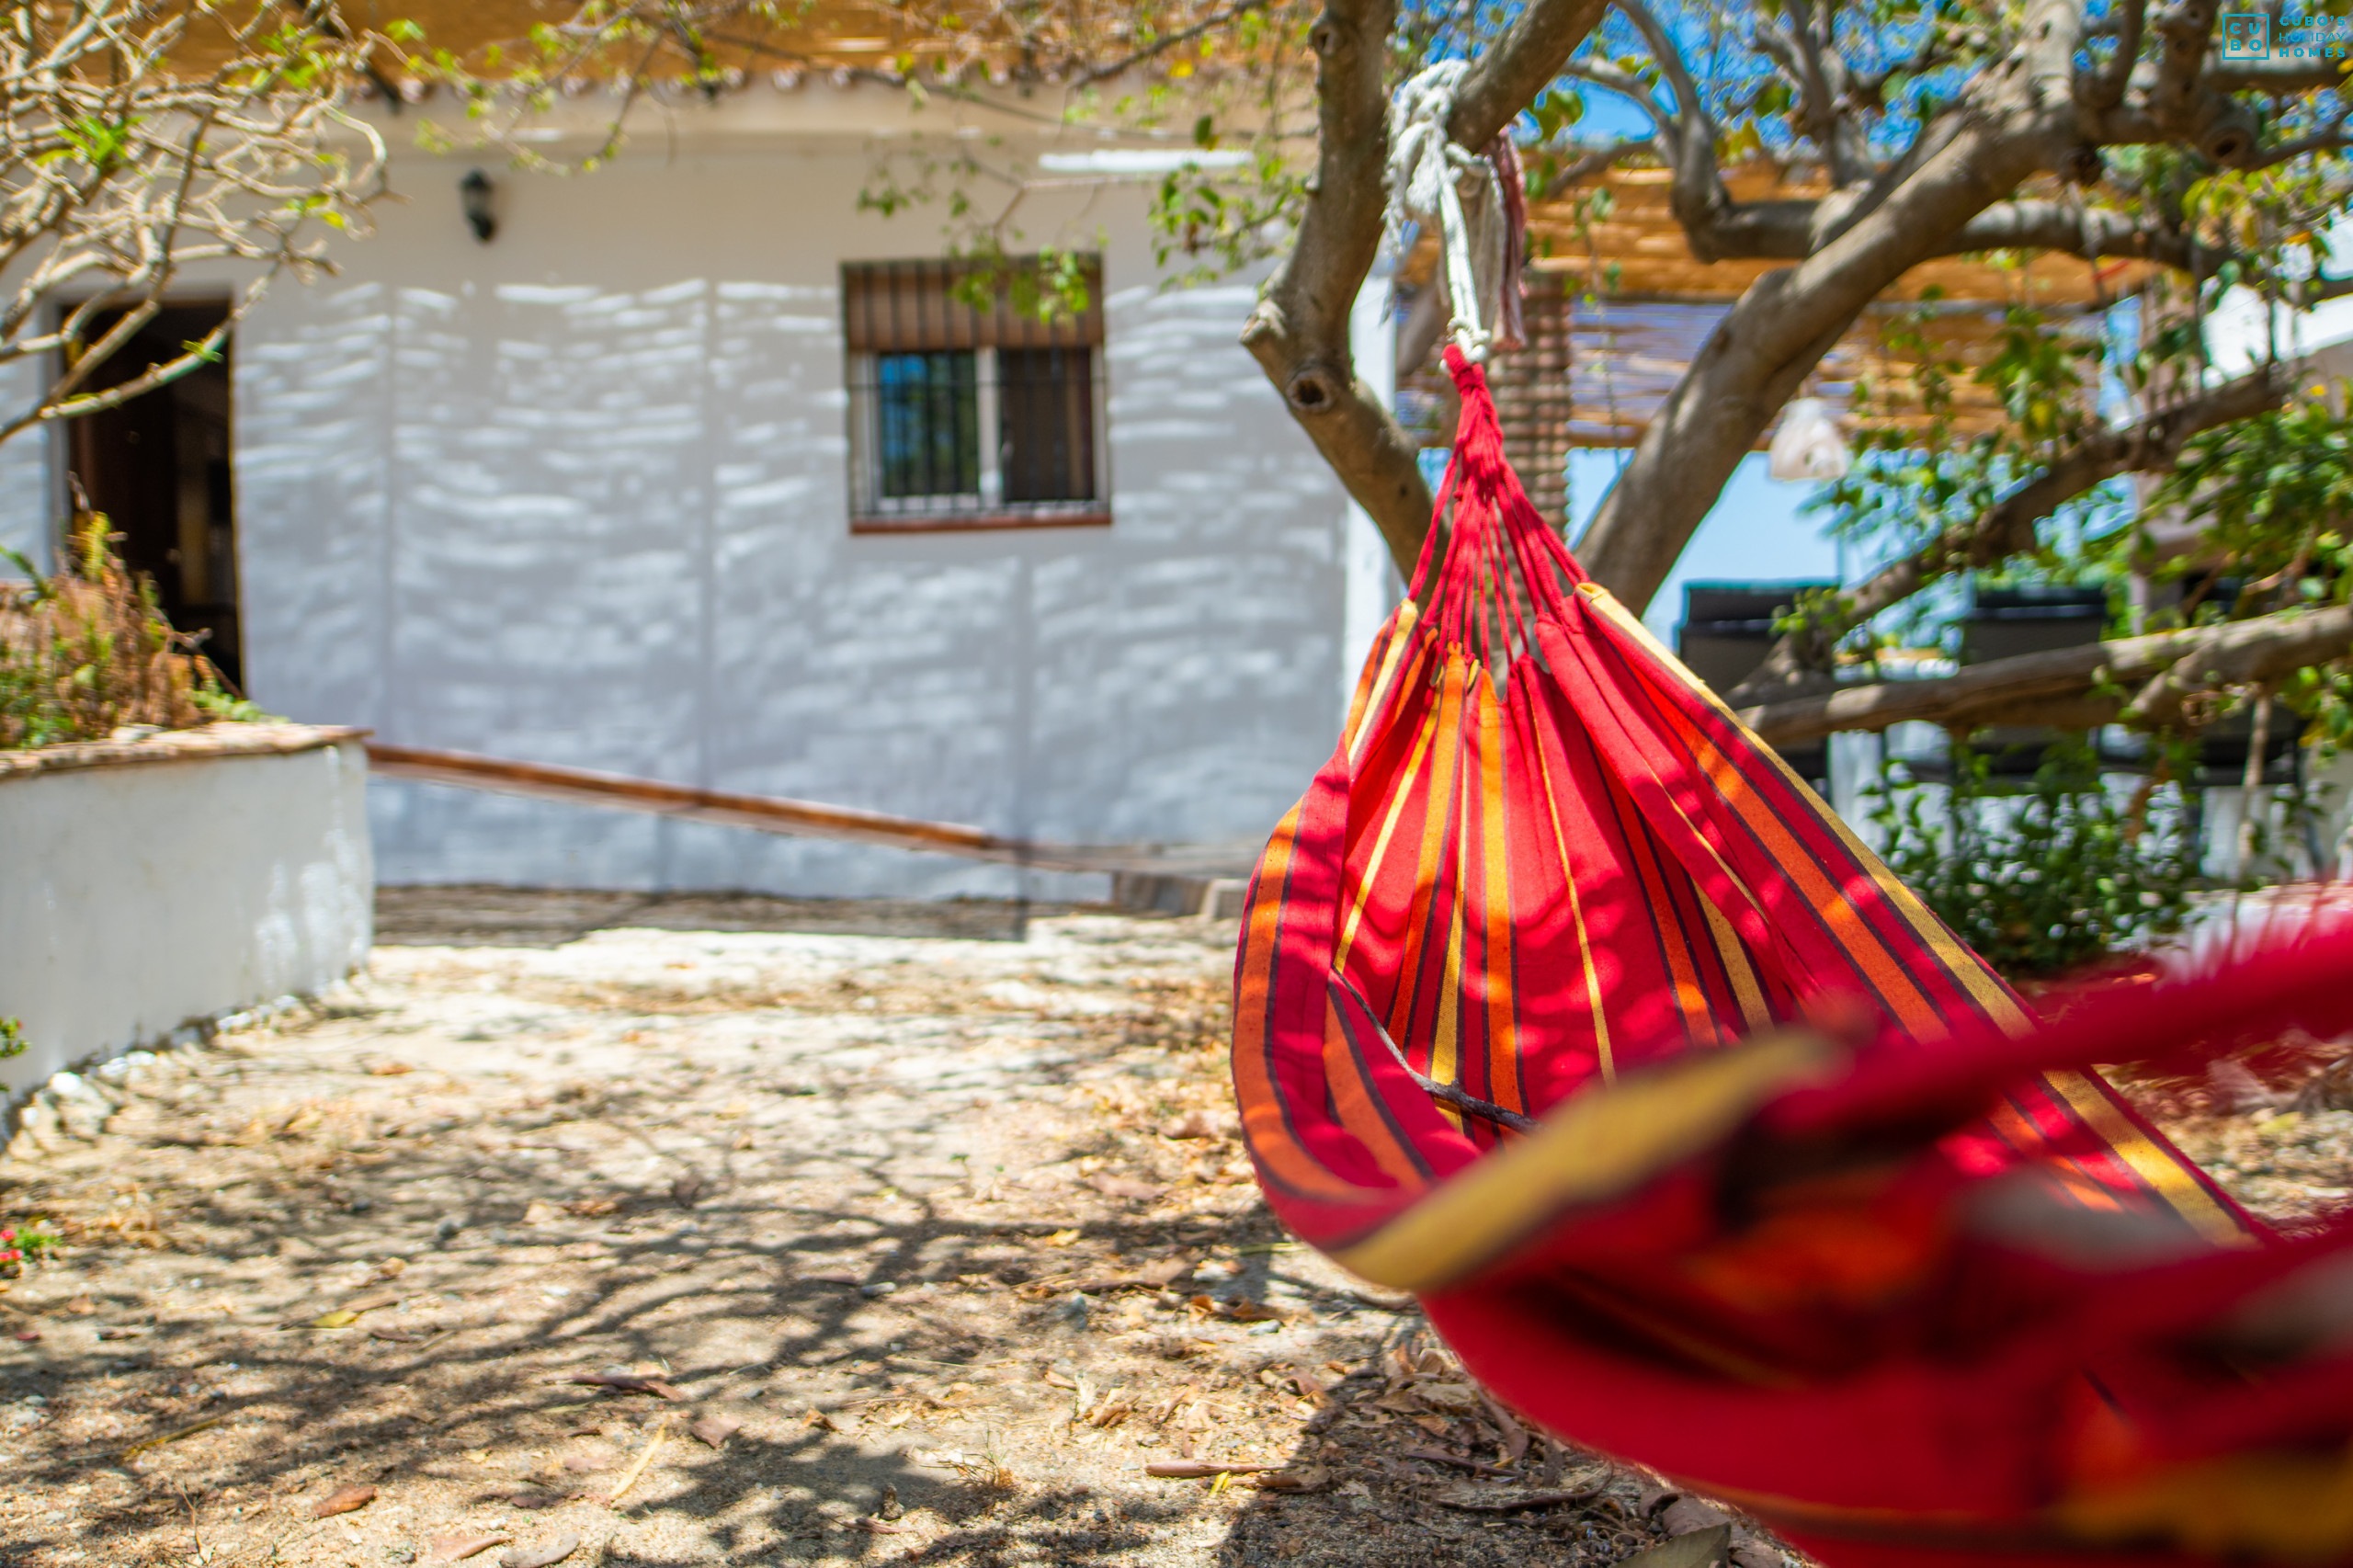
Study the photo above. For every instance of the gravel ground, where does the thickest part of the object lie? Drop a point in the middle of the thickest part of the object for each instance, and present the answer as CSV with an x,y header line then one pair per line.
x,y
897,1232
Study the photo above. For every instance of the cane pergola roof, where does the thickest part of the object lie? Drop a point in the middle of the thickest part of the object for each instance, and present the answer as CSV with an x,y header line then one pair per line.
x,y
1619,307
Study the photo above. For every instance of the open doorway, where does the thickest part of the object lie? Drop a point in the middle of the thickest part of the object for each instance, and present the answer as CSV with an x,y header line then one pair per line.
x,y
158,467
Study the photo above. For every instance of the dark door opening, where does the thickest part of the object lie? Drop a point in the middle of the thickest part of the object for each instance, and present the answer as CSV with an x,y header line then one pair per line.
x,y
158,467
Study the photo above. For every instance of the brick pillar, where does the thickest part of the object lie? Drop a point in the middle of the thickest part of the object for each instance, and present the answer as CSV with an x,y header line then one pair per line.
x,y
1532,401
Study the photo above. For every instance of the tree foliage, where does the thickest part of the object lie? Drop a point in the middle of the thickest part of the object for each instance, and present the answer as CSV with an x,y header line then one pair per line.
x,y
1906,131
140,139
2042,879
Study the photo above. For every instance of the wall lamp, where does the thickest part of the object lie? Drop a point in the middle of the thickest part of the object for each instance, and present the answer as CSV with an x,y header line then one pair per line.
x,y
474,193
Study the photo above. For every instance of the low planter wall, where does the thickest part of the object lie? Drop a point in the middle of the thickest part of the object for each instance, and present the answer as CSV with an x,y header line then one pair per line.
x,y
149,886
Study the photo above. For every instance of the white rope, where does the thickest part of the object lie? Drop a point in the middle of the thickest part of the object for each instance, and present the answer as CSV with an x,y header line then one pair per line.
x,y
1426,181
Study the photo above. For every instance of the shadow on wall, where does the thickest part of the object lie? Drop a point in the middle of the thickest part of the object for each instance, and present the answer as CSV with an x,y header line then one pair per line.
x,y
609,530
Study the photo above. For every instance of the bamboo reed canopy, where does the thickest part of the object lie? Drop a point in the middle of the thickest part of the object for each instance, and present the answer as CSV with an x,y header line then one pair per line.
x,y
1619,307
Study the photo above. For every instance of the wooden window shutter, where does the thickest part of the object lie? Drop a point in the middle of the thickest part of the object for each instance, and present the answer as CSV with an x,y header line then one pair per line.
x,y
909,307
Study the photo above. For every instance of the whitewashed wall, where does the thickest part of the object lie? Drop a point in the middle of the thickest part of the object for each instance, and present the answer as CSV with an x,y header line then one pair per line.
x,y
138,898
28,492
579,496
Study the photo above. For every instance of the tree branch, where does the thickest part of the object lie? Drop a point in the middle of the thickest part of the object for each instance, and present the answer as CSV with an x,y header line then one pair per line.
x,y
2094,234
2107,89
1762,350
1590,162
1182,35
2185,104
2065,687
1521,64
1299,331
2008,526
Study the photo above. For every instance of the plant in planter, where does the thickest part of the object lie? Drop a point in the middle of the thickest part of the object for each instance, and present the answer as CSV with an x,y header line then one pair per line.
x,y
27,1244
87,650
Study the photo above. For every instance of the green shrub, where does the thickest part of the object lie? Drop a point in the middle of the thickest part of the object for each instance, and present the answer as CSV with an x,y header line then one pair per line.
x,y
2047,876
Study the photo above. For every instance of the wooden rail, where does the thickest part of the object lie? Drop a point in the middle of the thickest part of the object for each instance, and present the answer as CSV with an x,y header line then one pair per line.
x,y
768,813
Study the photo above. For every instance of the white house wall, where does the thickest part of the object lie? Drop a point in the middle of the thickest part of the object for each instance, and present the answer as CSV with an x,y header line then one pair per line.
x,y
27,498
580,496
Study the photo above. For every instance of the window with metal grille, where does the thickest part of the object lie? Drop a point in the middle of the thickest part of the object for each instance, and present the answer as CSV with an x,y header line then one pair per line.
x,y
967,415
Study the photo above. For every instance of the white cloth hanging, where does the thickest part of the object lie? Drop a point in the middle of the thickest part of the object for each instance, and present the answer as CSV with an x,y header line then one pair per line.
x,y
1808,445
1433,182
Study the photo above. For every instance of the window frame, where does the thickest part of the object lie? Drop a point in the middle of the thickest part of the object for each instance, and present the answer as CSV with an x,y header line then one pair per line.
x,y
945,326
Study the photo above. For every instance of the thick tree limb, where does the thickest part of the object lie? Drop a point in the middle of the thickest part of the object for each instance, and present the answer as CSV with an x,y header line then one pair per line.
x,y
1299,332
1590,162
2008,527
2107,89
2065,687
1773,336
1520,64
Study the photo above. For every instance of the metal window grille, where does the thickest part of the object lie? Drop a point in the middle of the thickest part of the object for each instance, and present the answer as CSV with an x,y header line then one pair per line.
x,y
965,414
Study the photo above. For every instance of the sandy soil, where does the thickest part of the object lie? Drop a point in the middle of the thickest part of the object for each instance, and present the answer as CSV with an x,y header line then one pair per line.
x,y
901,1234
898,1232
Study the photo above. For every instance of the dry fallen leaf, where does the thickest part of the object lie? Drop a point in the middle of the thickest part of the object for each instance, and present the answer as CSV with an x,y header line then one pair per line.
x,y
1167,1271
1202,1470
343,1500
335,1320
716,1429
1059,1239
552,1550
1454,1398
82,1306
622,1382
591,1208
873,1526
458,1548
1298,1478
1124,1186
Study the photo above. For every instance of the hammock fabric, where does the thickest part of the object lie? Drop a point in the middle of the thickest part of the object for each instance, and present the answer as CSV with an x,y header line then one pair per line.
x,y
1564,1003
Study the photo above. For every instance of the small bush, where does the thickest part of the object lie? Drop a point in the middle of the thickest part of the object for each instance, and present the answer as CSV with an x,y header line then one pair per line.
x,y
88,651
2050,877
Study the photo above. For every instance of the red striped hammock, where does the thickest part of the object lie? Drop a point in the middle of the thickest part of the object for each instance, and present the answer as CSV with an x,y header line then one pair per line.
x,y
1569,1008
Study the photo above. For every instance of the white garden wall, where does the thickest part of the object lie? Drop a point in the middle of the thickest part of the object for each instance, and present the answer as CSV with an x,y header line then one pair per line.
x,y
139,896
579,495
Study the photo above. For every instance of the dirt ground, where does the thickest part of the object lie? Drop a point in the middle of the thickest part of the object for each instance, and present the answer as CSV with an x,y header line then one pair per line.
x,y
905,1233
741,1231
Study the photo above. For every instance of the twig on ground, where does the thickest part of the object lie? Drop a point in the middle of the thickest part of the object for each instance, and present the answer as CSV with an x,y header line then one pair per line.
x,y
628,1477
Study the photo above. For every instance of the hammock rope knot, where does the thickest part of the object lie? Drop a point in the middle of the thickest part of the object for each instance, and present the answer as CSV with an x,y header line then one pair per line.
x,y
1476,203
